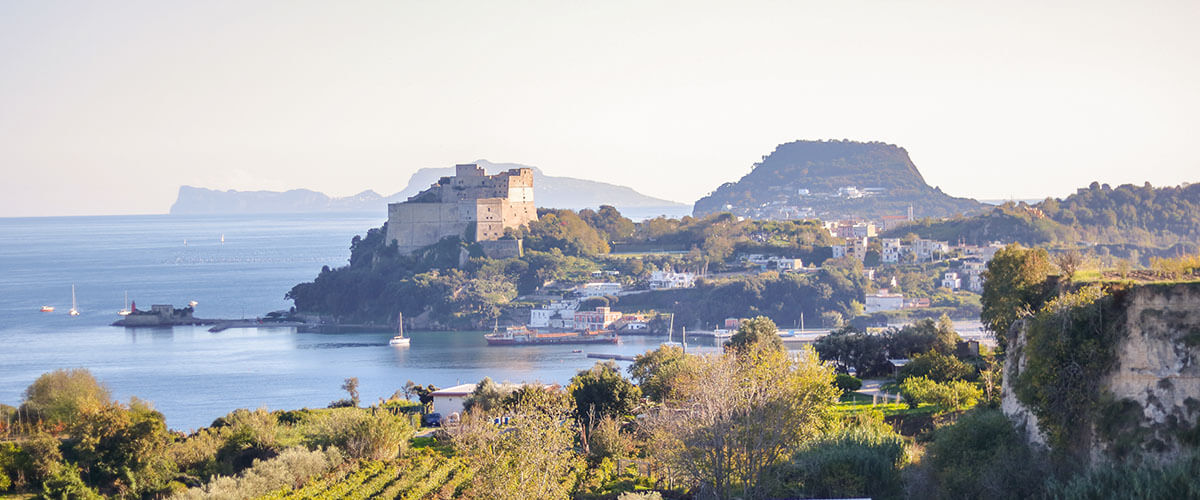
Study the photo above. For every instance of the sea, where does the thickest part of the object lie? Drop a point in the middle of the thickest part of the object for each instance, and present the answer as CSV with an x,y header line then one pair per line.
x,y
232,266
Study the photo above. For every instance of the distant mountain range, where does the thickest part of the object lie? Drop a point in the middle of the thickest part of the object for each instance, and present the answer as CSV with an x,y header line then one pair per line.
x,y
549,191
834,180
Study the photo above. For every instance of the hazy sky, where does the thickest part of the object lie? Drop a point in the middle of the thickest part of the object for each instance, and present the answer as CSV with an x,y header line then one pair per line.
x,y
107,107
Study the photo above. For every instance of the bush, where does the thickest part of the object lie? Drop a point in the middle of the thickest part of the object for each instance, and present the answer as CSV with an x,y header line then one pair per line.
x,y
1177,480
607,441
58,396
861,461
937,367
847,383
64,482
361,433
291,469
982,456
954,395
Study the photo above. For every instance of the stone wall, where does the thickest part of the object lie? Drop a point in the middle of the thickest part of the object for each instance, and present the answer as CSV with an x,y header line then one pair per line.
x,y
449,208
1153,392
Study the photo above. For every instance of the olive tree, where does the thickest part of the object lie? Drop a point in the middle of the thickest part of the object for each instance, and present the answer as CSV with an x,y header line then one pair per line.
x,y
740,415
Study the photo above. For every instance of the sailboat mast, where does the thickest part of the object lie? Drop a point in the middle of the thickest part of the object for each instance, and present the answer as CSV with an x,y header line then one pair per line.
x,y
400,320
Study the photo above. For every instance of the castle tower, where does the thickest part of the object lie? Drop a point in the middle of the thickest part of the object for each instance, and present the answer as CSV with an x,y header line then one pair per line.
x,y
470,204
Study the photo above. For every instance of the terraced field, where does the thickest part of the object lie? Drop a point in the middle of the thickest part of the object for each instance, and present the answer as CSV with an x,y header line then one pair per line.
x,y
423,475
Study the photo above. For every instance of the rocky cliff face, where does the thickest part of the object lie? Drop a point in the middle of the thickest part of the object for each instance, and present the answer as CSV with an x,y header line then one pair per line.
x,y
1150,398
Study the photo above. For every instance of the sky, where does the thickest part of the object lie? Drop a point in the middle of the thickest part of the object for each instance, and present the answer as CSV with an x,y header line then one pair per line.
x,y
108,107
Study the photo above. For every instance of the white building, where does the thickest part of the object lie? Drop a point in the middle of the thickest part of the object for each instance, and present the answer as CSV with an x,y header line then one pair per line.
x,y
450,400
891,251
666,280
926,250
598,289
556,314
854,247
952,281
884,301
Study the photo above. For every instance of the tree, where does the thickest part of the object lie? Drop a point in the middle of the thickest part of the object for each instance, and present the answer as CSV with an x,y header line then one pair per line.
x,y
58,396
866,353
1013,287
486,397
602,391
351,388
1068,263
937,367
425,394
658,372
758,332
739,416
530,457
409,389
121,448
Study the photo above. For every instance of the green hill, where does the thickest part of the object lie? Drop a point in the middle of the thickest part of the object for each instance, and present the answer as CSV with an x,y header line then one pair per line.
x,y
810,179
1128,220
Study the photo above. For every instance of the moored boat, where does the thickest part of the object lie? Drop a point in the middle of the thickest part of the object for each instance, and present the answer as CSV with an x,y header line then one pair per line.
x,y
400,339
47,309
74,307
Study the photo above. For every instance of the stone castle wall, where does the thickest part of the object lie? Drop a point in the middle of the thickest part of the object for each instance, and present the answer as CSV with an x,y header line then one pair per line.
x,y
449,208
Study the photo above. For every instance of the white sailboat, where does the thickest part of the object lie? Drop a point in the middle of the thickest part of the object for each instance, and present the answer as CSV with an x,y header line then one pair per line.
x,y
670,334
125,311
400,339
74,307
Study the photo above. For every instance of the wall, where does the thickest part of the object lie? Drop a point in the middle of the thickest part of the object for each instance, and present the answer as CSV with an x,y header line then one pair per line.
x,y
1155,381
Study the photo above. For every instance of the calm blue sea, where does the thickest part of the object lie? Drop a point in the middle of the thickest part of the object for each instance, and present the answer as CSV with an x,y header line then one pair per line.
x,y
194,376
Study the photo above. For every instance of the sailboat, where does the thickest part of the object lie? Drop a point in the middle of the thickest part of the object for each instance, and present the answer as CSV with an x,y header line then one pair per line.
x,y
400,339
74,307
125,311
670,335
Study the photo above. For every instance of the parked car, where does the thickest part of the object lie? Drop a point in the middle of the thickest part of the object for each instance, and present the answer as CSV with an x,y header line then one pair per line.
x,y
431,420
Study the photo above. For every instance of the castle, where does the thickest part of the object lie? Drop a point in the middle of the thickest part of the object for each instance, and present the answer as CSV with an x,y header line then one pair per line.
x,y
471,204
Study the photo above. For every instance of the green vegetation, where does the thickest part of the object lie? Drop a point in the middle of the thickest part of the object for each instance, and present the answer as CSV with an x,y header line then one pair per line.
x,y
1070,345
1016,286
821,168
451,285
1130,222
868,353
982,456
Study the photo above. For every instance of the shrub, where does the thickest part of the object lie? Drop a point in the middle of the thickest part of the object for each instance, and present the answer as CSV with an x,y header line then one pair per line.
x,y
606,440
847,383
361,433
58,396
64,482
937,367
1180,479
291,469
954,395
861,461
982,456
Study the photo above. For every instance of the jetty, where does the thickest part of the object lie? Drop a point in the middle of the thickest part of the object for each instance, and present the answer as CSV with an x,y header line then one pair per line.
x,y
617,357
253,323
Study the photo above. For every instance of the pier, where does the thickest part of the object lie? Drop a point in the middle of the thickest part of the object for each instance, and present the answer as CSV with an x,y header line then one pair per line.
x,y
617,357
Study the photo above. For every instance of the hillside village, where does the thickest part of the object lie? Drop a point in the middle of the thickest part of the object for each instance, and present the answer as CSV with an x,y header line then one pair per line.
x,y
496,213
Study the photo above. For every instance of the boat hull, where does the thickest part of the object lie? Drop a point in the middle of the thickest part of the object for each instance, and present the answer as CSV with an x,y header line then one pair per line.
x,y
576,339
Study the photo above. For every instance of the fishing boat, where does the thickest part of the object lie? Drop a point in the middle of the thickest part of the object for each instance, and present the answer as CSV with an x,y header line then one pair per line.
x,y
400,339
521,335
47,309
74,307
125,311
